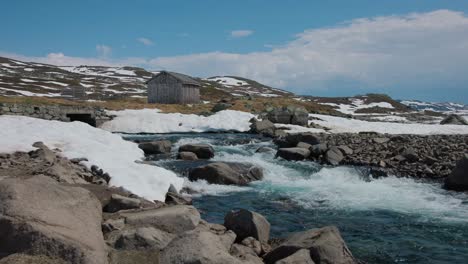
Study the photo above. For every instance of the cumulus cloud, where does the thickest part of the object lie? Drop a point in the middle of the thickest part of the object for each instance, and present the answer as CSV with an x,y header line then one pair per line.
x,y
241,33
145,41
103,50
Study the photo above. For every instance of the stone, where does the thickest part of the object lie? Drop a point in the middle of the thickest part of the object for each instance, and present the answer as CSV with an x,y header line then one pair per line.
x,y
454,119
334,156
264,150
380,140
220,107
134,256
318,149
143,238
245,254
248,224
309,138
173,219
325,245
410,155
199,246
203,151
156,147
458,179
264,127
301,256
227,173
177,199
185,155
113,224
293,153
38,215
253,243
119,202
30,259
304,145
345,150
300,117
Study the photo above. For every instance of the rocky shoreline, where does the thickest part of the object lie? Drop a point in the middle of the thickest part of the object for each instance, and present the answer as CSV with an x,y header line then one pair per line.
x,y
55,210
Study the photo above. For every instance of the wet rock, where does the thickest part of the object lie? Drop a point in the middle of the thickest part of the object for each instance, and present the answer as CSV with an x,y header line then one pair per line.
x,y
185,155
318,149
293,153
324,245
304,145
454,119
227,173
294,139
203,151
177,199
119,202
458,179
248,224
264,150
156,147
301,256
334,156
40,215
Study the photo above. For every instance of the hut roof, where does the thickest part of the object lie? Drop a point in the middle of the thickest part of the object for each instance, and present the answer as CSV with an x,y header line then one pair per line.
x,y
185,79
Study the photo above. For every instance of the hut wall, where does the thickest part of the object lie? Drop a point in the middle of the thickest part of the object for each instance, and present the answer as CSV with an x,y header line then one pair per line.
x,y
166,89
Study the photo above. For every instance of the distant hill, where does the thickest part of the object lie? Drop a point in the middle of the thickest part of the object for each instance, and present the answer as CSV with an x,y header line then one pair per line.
x,y
437,107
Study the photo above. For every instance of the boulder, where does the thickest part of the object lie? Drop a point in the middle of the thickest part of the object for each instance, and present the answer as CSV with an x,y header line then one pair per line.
x,y
113,224
203,151
301,256
150,256
325,246
199,246
173,219
245,254
30,259
264,150
410,155
300,117
334,156
248,224
294,139
173,198
40,216
458,179
119,202
318,149
345,150
253,243
185,155
304,145
143,238
289,115
227,173
264,127
156,147
293,153
454,119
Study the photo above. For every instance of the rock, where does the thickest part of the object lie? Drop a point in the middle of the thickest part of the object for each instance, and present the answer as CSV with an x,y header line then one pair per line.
x,y
203,151
199,246
30,259
304,145
458,179
280,115
334,156
301,256
134,256
113,224
293,153
220,107
177,199
318,149
264,127
300,117
289,115
410,155
185,155
294,139
156,147
143,238
325,245
380,140
245,254
248,224
345,150
454,119
38,215
253,243
172,189
173,219
119,202
227,173
264,150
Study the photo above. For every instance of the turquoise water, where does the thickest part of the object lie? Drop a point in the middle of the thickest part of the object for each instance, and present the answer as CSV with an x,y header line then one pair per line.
x,y
387,220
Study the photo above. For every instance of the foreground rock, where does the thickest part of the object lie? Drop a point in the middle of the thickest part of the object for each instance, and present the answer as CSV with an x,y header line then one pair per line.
x,y
293,153
227,173
248,224
40,216
301,256
324,245
458,180
263,127
203,151
185,155
454,119
156,147
288,115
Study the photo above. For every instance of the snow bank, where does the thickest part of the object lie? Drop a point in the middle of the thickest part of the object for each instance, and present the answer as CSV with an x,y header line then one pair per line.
x,y
357,104
106,150
152,121
344,125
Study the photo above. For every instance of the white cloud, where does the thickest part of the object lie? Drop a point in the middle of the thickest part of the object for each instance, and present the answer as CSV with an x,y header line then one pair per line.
x,y
241,33
103,50
145,41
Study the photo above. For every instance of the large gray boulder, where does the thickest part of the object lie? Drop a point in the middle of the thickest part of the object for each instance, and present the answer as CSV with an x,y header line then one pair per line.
x,y
293,139
264,127
325,246
156,147
289,115
248,224
119,202
203,151
334,156
201,247
173,219
40,216
458,179
185,155
143,238
227,173
296,153
454,119
301,256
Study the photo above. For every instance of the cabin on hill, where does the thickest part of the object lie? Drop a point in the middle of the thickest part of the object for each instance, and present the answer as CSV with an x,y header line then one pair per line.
x,y
173,88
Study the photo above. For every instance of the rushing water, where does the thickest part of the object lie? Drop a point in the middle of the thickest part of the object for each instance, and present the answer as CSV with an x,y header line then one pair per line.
x,y
386,220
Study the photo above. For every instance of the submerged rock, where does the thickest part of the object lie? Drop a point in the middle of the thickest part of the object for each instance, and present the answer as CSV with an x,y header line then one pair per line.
x,y
248,224
227,173
203,151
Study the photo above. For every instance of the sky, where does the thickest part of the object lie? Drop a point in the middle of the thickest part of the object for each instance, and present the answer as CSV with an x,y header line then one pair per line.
x,y
409,49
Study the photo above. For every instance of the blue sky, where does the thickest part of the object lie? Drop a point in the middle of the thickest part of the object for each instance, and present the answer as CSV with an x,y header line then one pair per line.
x,y
409,49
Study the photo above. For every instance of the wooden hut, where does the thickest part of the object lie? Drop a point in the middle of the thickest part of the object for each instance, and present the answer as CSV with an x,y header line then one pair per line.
x,y
173,88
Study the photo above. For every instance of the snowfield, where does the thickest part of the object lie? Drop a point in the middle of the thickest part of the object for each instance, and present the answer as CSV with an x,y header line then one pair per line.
x,y
357,104
345,125
228,81
153,121
106,150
